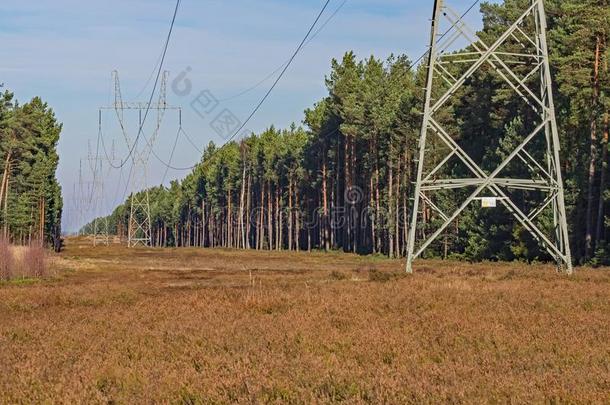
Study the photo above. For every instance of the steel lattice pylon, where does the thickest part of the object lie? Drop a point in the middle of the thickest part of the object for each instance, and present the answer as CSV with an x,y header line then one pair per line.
x,y
519,60
139,232
101,225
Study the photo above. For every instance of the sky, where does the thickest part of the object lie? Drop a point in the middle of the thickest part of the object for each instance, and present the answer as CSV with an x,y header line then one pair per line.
x,y
65,50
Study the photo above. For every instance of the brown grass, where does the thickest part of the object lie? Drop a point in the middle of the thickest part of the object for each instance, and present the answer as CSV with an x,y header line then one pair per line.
x,y
216,326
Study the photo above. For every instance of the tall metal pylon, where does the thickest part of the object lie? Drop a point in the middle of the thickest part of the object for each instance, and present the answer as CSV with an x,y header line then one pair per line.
x,y
139,232
519,59
84,197
101,226
80,197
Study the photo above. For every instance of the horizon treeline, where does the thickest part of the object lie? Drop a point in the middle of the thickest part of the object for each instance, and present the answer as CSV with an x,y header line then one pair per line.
x,y
30,195
344,179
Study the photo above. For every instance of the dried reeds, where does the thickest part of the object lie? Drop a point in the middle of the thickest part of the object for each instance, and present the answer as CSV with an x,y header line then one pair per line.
x,y
6,260
22,261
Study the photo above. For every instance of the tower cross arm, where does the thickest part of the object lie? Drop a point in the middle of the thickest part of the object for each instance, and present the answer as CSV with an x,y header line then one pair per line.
x,y
140,106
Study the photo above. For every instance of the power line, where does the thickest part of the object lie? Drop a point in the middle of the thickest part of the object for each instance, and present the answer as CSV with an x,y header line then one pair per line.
x,y
193,144
171,157
277,80
152,74
128,181
270,75
304,42
190,140
168,165
267,94
307,39
154,89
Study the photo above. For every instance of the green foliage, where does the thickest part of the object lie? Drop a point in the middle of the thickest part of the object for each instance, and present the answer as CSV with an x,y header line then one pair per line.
x,y
31,202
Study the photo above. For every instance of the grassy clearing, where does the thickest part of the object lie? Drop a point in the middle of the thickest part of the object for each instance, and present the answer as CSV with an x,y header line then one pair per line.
x,y
217,326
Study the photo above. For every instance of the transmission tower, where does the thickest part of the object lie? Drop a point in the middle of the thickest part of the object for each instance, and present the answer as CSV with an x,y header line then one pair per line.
x,y
80,197
519,60
139,232
101,226
83,197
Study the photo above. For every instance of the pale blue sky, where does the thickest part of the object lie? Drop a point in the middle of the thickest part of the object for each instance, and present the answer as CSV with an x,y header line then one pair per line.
x,y
64,51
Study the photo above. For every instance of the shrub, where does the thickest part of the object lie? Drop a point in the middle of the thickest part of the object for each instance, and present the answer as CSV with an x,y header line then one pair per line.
x,y
380,277
6,260
337,275
34,262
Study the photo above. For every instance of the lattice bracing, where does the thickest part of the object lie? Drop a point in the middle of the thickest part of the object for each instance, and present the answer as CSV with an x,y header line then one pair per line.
x,y
524,159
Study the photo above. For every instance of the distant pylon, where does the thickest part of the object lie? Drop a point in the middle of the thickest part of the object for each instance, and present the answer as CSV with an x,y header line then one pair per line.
x,y
80,198
101,226
139,230
519,57
85,199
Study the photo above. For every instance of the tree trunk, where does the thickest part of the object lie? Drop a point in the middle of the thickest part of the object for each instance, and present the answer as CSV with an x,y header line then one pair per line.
x,y
6,191
242,195
211,239
390,210
378,245
599,234
278,220
290,214
5,176
325,201
189,228
397,214
331,214
405,200
203,220
41,233
297,225
229,232
248,219
269,216
353,214
372,217
261,223
589,242
346,171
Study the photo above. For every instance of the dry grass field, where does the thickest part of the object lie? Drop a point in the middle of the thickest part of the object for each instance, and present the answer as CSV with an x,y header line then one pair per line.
x,y
215,326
